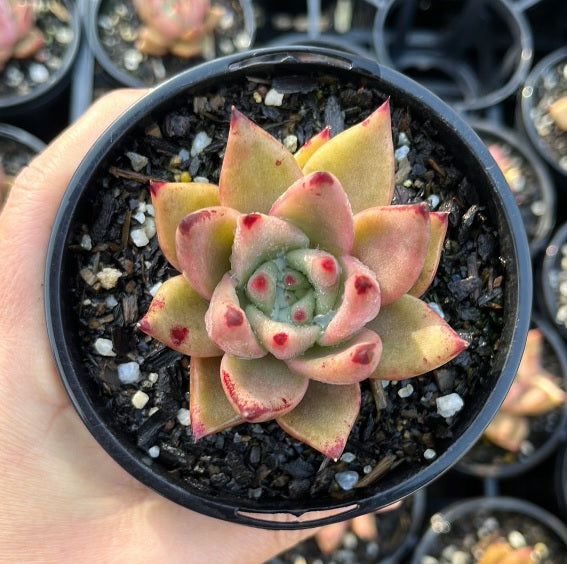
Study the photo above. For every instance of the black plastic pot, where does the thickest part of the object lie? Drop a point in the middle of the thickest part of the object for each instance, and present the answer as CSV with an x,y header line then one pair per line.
x,y
15,104
545,437
546,80
554,279
537,198
17,148
472,54
560,480
470,155
172,65
460,522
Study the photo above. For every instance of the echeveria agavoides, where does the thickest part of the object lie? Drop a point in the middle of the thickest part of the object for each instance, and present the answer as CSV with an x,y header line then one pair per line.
x,y
175,26
298,281
19,37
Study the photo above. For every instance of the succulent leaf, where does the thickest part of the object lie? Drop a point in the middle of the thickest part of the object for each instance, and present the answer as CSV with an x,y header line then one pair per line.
x,y
257,168
262,286
172,201
438,222
227,324
260,391
176,317
284,340
259,238
415,339
324,418
311,146
209,407
508,431
393,242
347,363
360,303
318,205
362,158
323,272
204,245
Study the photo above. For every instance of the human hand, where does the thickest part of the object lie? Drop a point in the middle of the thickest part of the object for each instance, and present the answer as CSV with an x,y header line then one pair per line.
x,y
63,498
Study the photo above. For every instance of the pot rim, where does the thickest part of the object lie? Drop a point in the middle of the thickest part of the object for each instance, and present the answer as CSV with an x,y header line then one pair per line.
x,y
267,59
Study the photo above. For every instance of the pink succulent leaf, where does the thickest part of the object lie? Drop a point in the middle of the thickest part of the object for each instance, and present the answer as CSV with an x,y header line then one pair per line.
x,y
261,390
209,407
438,222
362,158
393,242
508,431
311,145
227,324
415,339
172,201
262,286
256,169
324,418
347,363
259,238
283,339
318,205
360,303
176,317
203,244
323,272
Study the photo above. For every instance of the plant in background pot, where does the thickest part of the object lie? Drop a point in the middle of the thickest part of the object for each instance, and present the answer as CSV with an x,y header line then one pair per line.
x,y
493,529
38,45
105,268
530,423
141,43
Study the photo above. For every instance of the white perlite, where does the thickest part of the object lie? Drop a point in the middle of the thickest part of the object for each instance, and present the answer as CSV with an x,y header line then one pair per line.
x,y
406,391
183,417
154,451
104,347
273,98
448,405
429,454
129,372
139,237
140,399
108,277
201,141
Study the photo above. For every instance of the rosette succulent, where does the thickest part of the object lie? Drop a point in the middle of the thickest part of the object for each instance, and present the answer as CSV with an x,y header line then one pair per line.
x,y
298,281
175,26
19,37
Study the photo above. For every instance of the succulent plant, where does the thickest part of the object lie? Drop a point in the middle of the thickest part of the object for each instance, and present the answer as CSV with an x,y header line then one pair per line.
x,y
299,280
175,26
19,37
535,391
500,551
558,112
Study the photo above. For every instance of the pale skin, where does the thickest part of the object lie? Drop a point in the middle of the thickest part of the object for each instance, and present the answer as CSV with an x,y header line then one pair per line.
x,y
63,498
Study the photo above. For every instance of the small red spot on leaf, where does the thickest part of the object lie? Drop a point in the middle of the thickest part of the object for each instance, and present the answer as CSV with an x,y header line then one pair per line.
x,y
299,315
228,384
280,339
233,317
178,335
250,219
363,354
328,264
259,283
156,305
320,177
187,223
366,122
290,280
278,162
362,284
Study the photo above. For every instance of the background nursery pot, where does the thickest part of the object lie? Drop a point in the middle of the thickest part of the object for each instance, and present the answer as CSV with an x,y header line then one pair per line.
x,y
233,475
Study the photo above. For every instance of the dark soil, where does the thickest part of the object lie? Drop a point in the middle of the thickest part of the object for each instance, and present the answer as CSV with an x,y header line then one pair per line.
x,y
21,76
117,26
260,461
